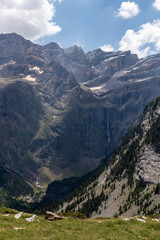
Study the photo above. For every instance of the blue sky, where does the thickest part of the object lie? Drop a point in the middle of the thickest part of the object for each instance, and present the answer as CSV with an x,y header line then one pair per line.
x,y
113,24
93,23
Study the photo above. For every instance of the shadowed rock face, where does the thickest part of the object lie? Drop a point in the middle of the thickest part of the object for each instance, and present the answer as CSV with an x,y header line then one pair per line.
x,y
20,111
65,110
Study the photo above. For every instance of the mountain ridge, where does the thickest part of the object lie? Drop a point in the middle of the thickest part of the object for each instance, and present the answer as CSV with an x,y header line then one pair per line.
x,y
128,183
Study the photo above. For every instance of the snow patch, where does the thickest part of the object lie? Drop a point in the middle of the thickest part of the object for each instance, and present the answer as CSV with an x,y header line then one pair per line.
x,y
135,68
143,79
97,88
29,78
36,69
109,59
7,64
112,58
127,71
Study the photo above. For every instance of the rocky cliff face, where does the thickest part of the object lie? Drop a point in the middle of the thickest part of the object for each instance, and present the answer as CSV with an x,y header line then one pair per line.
x,y
148,168
63,110
129,182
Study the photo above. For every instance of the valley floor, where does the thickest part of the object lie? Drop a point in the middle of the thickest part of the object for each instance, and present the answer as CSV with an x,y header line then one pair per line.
x,y
75,229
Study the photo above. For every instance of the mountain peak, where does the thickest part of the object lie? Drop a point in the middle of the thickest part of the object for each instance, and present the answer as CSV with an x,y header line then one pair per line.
x,y
53,45
74,49
13,37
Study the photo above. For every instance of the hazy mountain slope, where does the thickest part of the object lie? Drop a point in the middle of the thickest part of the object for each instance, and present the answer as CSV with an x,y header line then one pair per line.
x,y
130,182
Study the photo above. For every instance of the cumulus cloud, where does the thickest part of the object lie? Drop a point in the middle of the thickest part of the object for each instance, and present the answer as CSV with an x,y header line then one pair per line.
x,y
107,48
144,42
156,4
128,10
31,19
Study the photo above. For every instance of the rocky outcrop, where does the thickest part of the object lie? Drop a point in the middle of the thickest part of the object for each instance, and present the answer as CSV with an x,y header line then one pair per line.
x,y
148,168
106,65
52,216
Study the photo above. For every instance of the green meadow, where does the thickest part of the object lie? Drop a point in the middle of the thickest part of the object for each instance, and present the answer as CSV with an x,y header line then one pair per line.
x,y
77,229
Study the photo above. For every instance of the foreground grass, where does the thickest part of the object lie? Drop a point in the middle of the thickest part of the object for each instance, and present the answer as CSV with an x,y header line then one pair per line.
x,y
75,229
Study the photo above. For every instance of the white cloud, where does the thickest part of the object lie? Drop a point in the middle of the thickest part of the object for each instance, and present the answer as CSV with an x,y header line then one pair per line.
x,y
56,1
107,48
144,42
128,10
156,4
31,19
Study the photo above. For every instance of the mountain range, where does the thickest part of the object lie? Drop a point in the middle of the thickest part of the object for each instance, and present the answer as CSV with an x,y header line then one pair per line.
x,y
62,110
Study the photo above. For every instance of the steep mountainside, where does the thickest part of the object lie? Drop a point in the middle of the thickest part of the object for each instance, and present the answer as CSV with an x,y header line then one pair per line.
x,y
62,111
129,182
13,189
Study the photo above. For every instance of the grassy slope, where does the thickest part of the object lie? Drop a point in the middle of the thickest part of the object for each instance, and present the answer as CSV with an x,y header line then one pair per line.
x,y
75,229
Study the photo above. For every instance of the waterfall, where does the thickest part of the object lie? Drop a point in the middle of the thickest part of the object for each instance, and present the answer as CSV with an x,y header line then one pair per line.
x,y
108,132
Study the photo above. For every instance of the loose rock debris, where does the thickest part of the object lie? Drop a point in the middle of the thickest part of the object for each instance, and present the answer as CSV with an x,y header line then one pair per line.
x,y
155,219
141,220
18,215
50,216
31,219
18,228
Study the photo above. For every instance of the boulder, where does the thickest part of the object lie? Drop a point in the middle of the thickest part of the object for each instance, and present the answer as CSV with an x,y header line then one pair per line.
x,y
50,216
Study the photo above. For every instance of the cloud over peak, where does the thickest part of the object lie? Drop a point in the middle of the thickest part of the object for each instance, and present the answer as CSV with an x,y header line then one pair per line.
x,y
144,42
156,4
31,19
128,10
107,48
